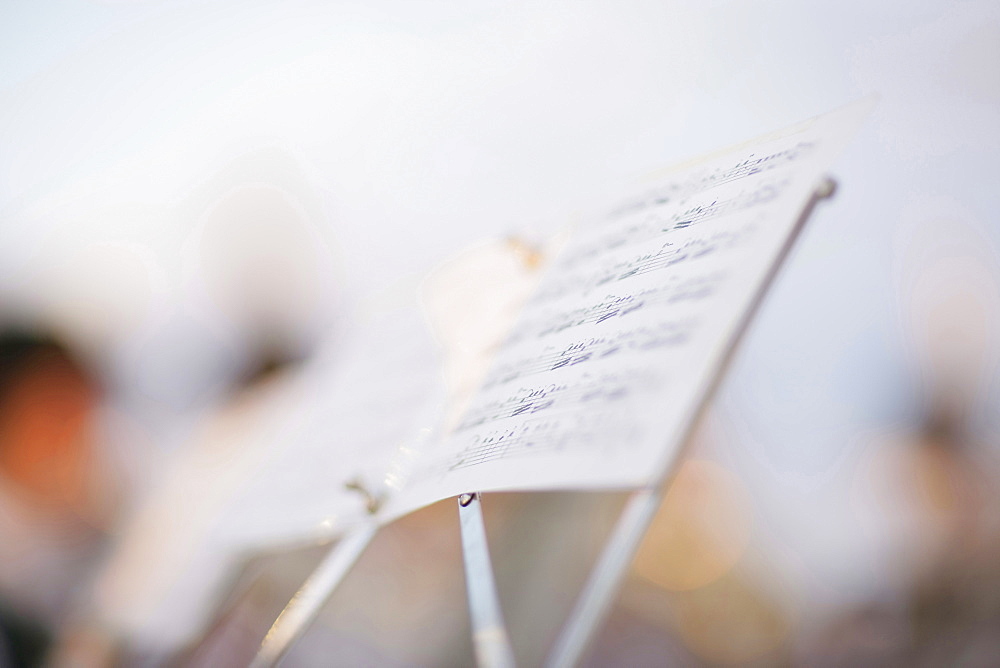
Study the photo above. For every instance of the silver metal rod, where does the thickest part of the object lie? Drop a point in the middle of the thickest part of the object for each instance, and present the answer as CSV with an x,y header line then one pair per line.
x,y
599,592
489,633
309,599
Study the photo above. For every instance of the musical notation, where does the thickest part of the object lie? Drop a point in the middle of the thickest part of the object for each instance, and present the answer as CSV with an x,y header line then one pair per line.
x,y
528,436
592,350
552,397
703,180
650,257
669,254
539,436
609,361
617,306
665,216
658,272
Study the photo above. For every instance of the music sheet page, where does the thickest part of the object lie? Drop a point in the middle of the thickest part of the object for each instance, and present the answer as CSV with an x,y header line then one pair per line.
x,y
608,364
382,392
297,459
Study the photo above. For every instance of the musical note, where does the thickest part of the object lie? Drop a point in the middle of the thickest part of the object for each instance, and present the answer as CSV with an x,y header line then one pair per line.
x,y
607,364
613,270
705,179
592,350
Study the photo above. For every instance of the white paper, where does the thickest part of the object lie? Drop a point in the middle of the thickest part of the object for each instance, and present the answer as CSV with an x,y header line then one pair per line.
x,y
271,469
609,363
595,387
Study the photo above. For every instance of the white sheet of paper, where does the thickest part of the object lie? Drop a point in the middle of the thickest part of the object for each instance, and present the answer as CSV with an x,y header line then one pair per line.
x,y
609,363
270,469
595,387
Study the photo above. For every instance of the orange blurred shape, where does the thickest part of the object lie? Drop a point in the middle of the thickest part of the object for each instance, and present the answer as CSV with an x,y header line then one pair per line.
x,y
44,437
700,531
728,622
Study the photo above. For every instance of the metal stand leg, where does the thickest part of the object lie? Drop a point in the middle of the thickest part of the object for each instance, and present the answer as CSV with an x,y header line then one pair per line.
x,y
599,593
306,604
489,633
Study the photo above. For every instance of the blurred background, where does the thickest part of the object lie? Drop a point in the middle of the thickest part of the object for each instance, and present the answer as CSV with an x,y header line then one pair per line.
x,y
198,198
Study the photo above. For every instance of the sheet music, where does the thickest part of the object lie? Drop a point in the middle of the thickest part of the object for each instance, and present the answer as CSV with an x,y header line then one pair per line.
x,y
595,386
610,361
